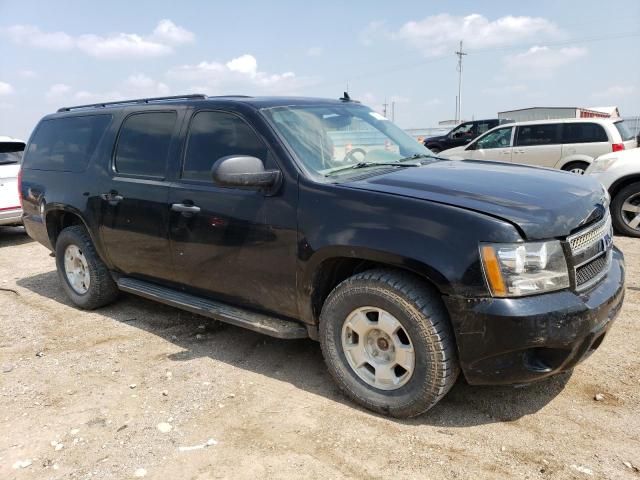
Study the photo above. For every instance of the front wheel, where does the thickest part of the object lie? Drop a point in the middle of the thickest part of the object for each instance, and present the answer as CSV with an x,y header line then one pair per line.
x,y
625,210
387,342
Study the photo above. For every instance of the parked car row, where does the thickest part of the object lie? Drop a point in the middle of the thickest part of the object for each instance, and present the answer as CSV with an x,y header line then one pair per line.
x,y
11,150
407,268
568,144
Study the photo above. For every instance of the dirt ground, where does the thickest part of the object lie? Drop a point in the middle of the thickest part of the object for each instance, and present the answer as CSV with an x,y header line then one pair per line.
x,y
86,395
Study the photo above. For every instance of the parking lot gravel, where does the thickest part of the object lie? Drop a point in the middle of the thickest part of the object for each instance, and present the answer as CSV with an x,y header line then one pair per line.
x,y
138,389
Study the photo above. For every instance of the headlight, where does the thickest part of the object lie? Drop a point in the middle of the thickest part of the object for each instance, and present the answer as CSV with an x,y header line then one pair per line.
x,y
601,164
517,269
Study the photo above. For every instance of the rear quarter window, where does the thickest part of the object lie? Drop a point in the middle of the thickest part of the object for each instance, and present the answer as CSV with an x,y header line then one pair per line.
x,y
625,133
583,133
65,144
11,152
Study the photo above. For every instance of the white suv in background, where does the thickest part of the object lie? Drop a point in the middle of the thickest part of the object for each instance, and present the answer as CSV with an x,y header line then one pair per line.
x,y
568,144
10,159
619,172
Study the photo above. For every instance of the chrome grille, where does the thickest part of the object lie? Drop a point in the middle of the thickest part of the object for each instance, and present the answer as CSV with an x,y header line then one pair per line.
x,y
593,234
586,274
591,251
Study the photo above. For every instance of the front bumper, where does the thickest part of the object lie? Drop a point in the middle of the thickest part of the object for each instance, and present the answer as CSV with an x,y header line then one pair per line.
x,y
522,340
11,216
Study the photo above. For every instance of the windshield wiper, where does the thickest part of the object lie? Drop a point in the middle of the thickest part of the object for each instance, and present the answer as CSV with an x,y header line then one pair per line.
x,y
373,164
416,156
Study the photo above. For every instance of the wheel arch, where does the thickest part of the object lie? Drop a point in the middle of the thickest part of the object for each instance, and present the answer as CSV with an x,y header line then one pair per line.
x,y
623,182
328,270
564,161
58,217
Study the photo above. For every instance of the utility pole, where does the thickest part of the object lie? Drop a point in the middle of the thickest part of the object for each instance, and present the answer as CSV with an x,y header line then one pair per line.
x,y
393,111
384,108
460,53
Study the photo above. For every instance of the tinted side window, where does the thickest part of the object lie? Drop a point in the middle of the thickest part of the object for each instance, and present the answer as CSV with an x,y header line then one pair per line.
x,y
65,144
11,152
213,135
583,133
500,138
530,135
143,144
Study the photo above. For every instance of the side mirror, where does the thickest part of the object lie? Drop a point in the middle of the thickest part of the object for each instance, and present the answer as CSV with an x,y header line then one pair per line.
x,y
243,171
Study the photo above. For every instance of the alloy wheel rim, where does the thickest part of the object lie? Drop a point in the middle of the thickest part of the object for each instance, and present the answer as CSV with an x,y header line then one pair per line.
x,y
378,348
76,269
631,211
577,170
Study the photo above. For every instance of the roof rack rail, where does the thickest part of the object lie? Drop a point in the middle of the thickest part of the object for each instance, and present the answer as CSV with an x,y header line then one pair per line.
x,y
195,96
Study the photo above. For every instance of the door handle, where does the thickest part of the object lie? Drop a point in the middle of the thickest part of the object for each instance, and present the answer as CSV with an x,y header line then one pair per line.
x,y
182,208
112,197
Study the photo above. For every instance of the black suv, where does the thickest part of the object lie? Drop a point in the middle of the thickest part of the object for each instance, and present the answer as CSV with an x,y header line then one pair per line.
x,y
314,218
460,135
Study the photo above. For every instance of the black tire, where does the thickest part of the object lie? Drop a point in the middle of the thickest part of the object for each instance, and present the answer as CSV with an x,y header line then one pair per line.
x,y
577,166
617,214
435,150
102,289
420,311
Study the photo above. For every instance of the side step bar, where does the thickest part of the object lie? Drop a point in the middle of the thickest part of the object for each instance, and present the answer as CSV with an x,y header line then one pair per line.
x,y
272,326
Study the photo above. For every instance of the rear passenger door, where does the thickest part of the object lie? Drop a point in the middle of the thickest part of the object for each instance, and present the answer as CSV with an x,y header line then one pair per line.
x,y
135,217
237,244
584,138
537,144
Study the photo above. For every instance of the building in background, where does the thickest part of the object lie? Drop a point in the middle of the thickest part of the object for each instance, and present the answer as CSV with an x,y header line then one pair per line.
x,y
550,113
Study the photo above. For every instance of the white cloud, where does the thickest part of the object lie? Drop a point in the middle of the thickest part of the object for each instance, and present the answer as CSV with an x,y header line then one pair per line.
x,y
440,34
240,74
134,86
244,64
172,34
57,91
543,61
146,86
315,51
121,45
161,42
32,36
5,88
615,91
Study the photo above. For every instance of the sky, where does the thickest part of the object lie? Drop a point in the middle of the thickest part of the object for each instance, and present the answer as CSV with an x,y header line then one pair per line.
x,y
520,54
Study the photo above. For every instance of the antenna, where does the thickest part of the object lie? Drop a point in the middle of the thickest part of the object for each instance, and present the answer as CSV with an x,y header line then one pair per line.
x,y
460,53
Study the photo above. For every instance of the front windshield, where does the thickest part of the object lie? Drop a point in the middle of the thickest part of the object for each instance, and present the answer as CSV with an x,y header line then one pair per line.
x,y
329,139
11,152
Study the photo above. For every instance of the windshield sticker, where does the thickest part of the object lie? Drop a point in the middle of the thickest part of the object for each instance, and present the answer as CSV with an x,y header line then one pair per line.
x,y
377,116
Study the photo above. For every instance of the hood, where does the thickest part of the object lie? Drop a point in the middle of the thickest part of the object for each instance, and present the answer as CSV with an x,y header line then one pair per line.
x,y
437,138
543,203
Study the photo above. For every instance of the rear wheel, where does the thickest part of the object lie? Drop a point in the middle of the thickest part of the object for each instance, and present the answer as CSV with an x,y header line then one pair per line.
x,y
576,167
85,278
625,210
387,342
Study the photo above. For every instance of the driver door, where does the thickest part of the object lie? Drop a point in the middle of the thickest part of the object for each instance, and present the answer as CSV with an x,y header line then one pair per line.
x,y
235,244
495,145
